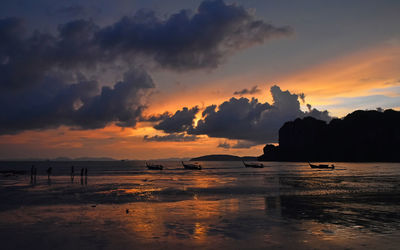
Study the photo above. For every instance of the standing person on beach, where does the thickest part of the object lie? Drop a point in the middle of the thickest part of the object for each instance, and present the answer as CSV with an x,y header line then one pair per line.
x,y
72,173
49,170
32,172
86,172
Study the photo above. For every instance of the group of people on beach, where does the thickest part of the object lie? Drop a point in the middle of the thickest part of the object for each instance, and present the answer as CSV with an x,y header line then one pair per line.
x,y
49,171
84,172
33,174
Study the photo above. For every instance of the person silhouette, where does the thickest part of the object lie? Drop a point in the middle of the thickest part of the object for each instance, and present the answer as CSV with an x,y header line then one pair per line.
x,y
49,170
32,172
72,174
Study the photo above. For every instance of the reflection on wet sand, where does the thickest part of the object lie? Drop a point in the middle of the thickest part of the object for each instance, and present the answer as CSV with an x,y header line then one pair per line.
x,y
181,220
233,209
273,206
243,223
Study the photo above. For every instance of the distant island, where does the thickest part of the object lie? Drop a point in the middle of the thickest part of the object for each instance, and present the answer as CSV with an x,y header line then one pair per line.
x,y
168,159
361,136
224,158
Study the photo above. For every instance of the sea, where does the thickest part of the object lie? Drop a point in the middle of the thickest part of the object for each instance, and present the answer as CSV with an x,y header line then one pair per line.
x,y
123,205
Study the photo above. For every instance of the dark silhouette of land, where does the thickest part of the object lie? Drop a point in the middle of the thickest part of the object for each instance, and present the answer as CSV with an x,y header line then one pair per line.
x,y
361,136
223,158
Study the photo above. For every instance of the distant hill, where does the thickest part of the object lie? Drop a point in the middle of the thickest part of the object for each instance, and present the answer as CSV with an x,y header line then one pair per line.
x,y
169,159
94,159
361,136
223,158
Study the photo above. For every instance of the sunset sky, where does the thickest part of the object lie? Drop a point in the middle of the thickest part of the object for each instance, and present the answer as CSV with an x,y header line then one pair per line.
x,y
153,79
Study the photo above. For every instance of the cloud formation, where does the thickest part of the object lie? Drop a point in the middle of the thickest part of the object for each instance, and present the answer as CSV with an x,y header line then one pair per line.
x,y
81,105
253,90
181,121
180,42
52,79
189,41
248,120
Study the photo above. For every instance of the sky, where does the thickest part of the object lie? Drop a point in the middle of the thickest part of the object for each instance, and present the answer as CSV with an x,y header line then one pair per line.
x,y
152,79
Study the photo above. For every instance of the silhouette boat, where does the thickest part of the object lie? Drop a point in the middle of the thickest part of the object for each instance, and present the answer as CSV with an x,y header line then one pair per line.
x,y
194,166
154,166
253,165
326,166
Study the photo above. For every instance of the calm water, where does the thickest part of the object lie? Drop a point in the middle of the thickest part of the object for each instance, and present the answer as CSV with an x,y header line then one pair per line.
x,y
123,205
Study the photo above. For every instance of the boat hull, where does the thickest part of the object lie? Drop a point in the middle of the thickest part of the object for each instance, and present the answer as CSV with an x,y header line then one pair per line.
x,y
154,166
247,165
321,166
191,166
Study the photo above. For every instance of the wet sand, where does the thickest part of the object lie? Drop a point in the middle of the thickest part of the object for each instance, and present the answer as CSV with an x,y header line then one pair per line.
x,y
286,206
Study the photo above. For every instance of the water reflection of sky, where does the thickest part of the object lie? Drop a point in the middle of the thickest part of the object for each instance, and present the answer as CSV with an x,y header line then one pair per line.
x,y
355,207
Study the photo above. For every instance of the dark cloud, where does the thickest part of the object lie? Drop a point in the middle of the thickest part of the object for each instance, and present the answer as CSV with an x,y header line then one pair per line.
x,y
209,109
252,121
171,137
122,104
185,41
81,105
181,121
28,60
41,72
155,118
19,62
182,41
248,120
234,119
253,90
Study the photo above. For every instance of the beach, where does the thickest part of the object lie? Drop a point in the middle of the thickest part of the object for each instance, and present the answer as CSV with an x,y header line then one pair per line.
x,y
122,205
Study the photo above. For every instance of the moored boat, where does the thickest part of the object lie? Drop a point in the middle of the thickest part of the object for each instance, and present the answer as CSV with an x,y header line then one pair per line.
x,y
253,165
326,166
154,166
193,166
